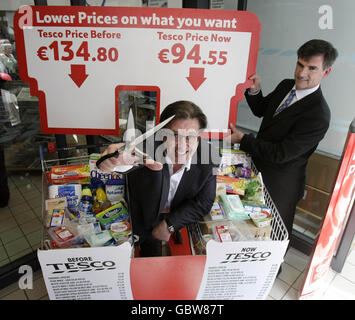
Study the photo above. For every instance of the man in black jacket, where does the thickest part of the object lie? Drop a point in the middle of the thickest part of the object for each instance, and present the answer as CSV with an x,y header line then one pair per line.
x,y
177,189
295,119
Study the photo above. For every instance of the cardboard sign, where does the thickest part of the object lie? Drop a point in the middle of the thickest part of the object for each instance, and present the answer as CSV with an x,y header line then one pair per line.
x,y
77,60
241,270
87,273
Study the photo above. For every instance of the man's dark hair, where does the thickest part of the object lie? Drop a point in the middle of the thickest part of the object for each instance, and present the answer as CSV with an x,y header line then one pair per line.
x,y
317,47
184,110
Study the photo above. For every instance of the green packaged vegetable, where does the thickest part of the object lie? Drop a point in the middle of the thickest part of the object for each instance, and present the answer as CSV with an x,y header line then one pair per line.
x,y
254,190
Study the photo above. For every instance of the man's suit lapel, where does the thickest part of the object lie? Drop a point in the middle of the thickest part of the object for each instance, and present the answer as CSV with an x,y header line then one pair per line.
x,y
186,181
294,109
165,186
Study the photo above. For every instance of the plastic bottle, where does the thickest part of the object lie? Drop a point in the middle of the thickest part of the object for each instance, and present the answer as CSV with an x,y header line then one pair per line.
x,y
85,205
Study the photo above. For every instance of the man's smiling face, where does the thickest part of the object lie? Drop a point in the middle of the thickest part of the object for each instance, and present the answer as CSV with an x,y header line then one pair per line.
x,y
182,141
309,73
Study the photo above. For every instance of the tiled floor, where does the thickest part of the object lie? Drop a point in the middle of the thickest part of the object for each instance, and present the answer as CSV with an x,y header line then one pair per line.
x,y
20,222
337,286
20,234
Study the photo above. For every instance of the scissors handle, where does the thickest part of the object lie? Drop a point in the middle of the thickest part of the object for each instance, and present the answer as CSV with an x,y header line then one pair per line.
x,y
110,155
105,157
115,154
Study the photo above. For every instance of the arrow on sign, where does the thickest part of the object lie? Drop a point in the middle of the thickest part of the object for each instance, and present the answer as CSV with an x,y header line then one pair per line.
x,y
196,77
78,74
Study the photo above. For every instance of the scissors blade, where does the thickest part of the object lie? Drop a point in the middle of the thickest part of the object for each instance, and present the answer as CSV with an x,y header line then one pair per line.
x,y
150,132
130,120
130,133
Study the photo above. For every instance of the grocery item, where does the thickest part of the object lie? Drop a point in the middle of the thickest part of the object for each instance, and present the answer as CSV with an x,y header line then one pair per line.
x,y
97,173
233,185
115,190
100,197
85,204
62,237
57,203
234,157
56,217
236,171
121,231
72,192
70,174
116,213
254,190
221,189
99,239
86,228
55,211
216,212
233,207
70,217
243,172
261,216
222,234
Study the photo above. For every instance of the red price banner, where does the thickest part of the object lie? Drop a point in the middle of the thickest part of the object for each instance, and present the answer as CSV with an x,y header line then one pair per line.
x,y
76,59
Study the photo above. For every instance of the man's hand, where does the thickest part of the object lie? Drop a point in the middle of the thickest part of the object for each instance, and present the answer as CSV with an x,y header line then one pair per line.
x,y
256,86
126,158
161,232
236,135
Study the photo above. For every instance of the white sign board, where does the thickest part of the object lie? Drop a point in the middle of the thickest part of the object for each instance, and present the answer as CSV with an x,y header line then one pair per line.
x,y
77,60
241,270
87,273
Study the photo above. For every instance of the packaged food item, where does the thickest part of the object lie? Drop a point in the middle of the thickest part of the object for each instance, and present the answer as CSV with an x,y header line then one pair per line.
x,y
85,204
233,185
100,239
57,203
72,192
261,217
233,207
216,211
63,237
235,171
234,157
100,197
55,211
226,171
222,234
89,228
254,190
116,213
221,189
97,173
242,172
70,174
115,190
121,231
56,217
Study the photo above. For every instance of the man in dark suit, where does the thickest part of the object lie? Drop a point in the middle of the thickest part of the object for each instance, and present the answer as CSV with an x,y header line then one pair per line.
x,y
178,188
295,119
